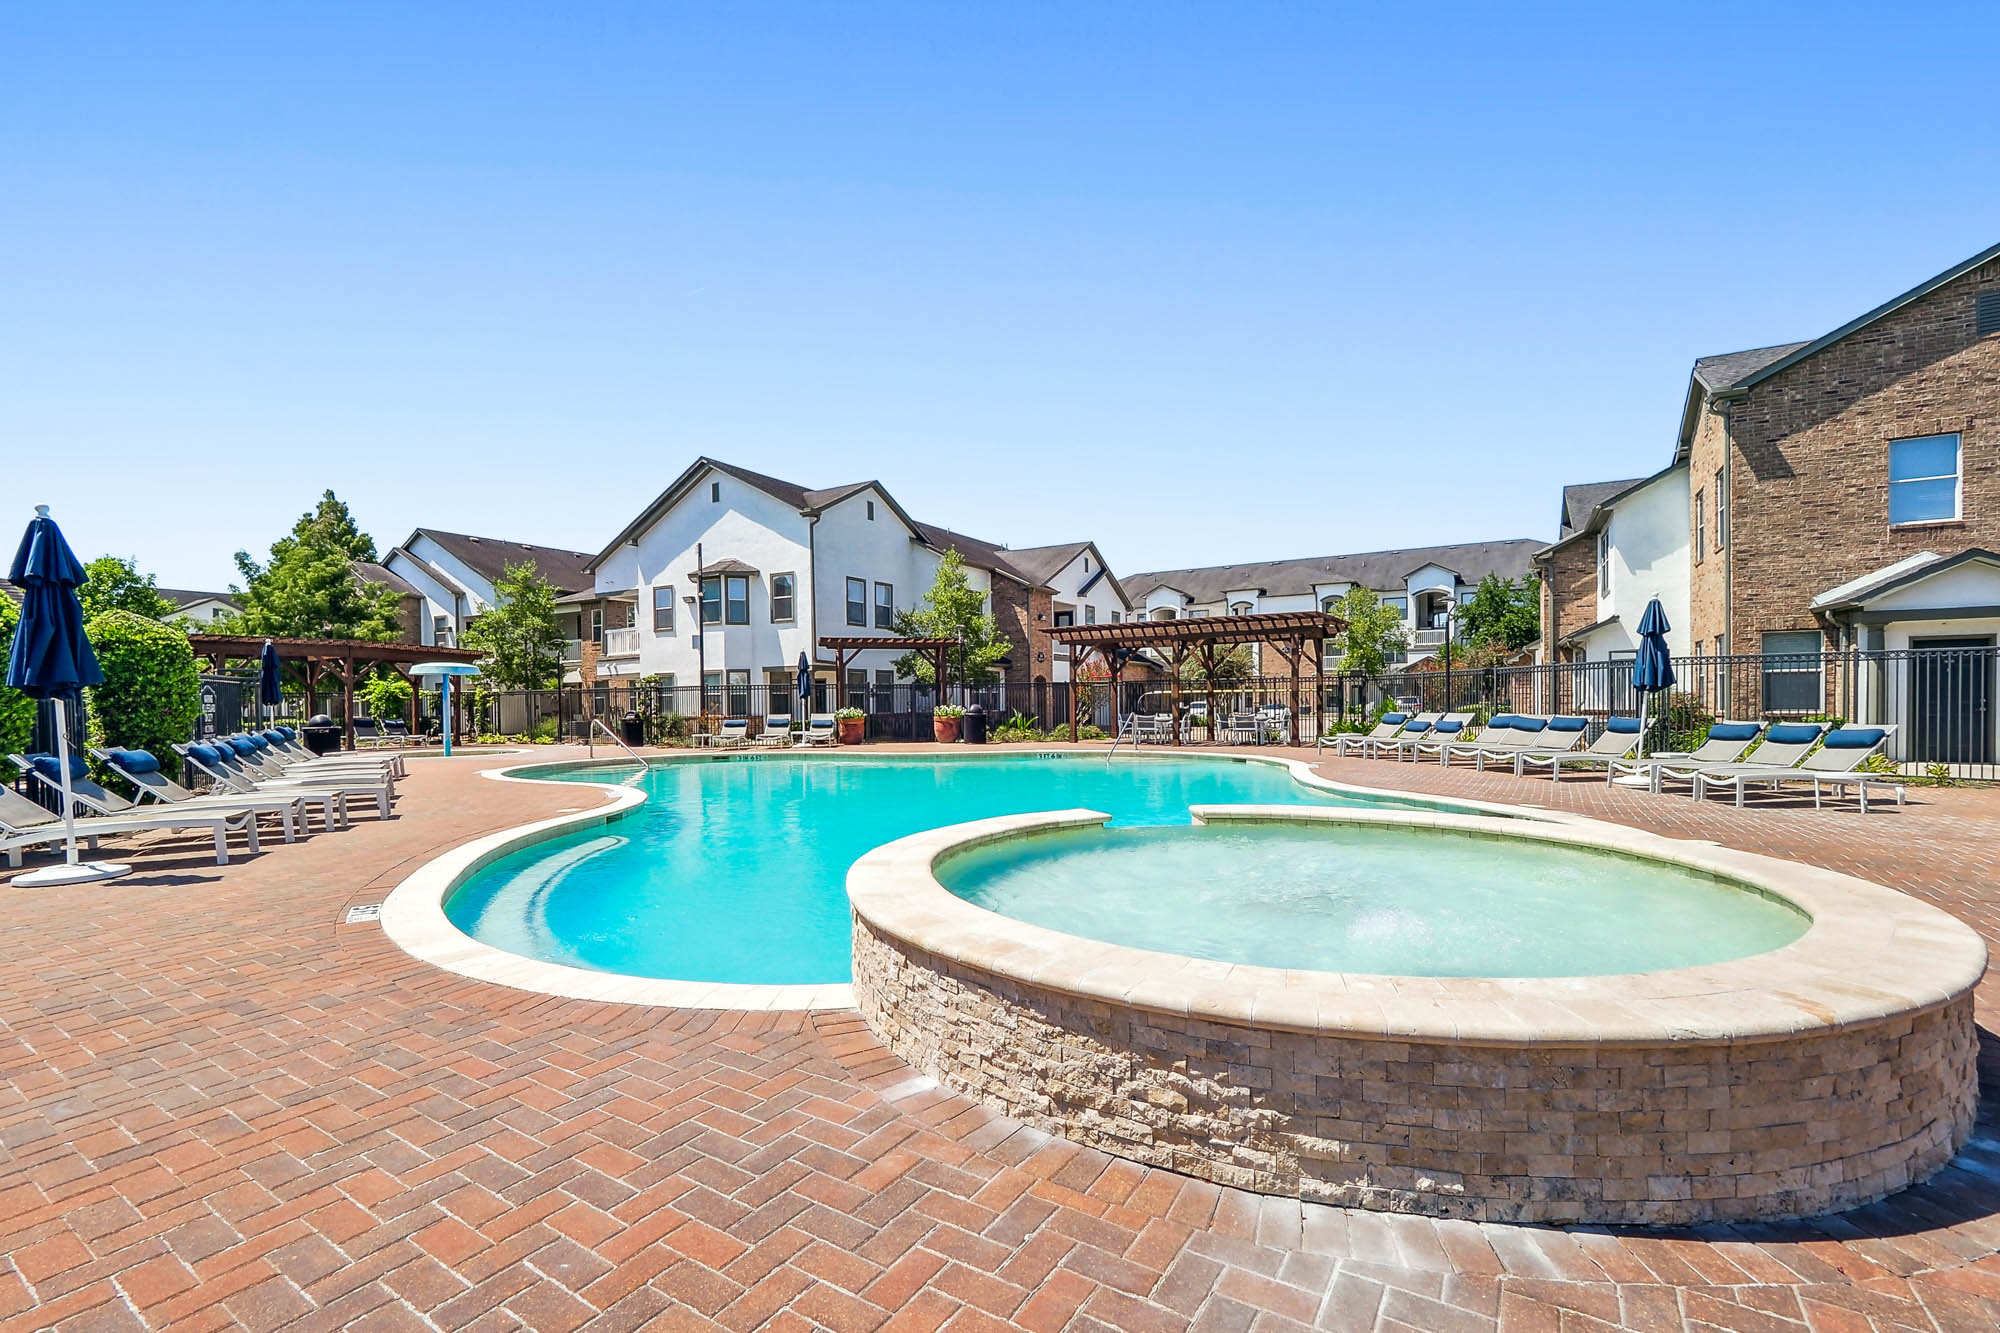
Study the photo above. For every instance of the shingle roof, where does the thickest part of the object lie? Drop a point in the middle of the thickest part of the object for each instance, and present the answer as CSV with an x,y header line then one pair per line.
x,y
977,552
389,578
1719,372
1383,571
1042,563
185,597
489,556
1579,501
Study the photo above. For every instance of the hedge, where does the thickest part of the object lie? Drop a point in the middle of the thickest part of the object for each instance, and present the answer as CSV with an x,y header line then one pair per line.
x,y
17,710
151,693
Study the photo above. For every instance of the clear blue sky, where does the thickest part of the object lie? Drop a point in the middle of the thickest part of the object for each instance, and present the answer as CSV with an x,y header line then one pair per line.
x,y
1191,281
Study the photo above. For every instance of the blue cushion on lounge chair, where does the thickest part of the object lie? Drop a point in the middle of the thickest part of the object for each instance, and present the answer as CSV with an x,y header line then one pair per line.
x,y
1449,728
287,732
1395,719
137,761
48,767
274,735
240,745
208,754
1530,723
1501,721
1416,727
1734,731
1793,733
1568,723
259,743
1854,738
1624,726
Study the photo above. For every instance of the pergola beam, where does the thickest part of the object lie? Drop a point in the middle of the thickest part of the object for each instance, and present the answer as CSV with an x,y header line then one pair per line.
x,y
344,656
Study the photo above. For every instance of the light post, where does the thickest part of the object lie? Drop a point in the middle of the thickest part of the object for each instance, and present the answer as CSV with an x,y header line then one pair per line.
x,y
1450,619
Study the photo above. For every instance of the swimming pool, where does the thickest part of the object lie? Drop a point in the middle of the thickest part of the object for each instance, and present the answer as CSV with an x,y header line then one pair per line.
x,y
734,869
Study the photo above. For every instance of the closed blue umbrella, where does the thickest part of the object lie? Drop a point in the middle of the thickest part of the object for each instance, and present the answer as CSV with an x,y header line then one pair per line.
x,y
52,660
270,691
1653,668
805,675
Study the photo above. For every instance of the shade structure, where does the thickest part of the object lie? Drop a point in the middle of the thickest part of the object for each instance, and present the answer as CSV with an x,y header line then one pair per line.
x,y
52,659
1653,668
447,670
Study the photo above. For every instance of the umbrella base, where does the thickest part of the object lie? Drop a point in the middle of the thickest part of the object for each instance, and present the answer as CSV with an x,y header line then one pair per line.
x,y
85,872
1636,780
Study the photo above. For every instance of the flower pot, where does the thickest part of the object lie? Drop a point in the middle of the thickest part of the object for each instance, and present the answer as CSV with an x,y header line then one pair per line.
x,y
849,729
945,729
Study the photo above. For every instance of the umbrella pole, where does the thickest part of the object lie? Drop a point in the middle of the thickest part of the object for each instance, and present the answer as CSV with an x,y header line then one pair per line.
x,y
445,704
62,762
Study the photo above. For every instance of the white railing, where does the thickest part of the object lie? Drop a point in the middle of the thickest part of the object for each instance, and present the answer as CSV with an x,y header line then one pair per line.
x,y
572,651
621,643
1427,638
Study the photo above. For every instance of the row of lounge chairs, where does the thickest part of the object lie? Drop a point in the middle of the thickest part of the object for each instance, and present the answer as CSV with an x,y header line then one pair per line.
x,y
256,776
1785,753
734,732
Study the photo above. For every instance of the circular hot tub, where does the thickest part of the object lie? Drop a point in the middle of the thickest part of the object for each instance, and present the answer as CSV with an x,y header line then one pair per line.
x,y
1418,1012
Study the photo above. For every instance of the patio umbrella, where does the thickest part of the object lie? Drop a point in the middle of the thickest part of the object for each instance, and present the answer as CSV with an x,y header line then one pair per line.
x,y
447,670
52,660
1653,668
805,675
269,692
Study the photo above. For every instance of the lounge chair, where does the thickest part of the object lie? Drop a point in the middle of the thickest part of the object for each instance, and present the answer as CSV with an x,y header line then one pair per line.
x,y
368,734
1560,734
142,770
231,774
1726,743
1783,745
1448,730
1835,763
1503,736
24,824
88,793
1415,729
285,743
820,730
777,730
259,755
1617,741
1385,728
733,733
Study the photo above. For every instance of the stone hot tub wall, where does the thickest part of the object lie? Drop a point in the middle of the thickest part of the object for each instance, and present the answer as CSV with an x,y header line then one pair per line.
x,y
1677,1129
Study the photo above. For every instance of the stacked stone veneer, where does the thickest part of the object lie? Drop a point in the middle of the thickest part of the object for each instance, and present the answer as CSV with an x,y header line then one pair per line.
x,y
1669,1133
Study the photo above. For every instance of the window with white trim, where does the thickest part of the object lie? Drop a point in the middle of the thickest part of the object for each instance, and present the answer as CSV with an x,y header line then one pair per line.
x,y
885,606
1923,479
784,598
857,601
1604,563
1793,667
663,610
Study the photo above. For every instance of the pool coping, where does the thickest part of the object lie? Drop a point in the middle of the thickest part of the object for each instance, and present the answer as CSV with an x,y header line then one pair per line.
x,y
1869,952
413,915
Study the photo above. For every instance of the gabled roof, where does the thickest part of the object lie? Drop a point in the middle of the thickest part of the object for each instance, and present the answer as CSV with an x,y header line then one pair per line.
x,y
1042,563
183,598
1383,571
1581,501
1717,373
370,572
488,557
984,555
1911,569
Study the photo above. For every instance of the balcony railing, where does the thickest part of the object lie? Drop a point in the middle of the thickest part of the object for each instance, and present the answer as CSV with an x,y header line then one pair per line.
x,y
572,651
1427,638
621,643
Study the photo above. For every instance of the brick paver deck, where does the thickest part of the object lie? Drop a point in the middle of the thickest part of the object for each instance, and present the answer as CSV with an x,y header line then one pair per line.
x,y
222,1107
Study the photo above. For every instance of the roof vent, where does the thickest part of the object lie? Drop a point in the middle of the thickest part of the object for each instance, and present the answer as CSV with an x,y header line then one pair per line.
x,y
1987,316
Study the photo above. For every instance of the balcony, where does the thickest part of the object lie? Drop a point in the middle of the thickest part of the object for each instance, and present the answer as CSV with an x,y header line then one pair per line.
x,y
621,643
572,651
1426,638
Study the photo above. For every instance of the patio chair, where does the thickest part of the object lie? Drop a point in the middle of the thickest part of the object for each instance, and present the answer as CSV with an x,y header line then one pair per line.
x,y
1618,740
1384,729
777,730
1448,730
732,734
260,755
1242,728
367,733
1152,728
1783,746
222,767
1560,734
285,743
821,729
1415,726
142,770
88,793
1841,752
1726,743
1503,735
24,824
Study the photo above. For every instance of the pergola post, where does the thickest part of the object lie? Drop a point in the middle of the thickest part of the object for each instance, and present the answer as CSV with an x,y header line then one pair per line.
x,y
1174,688
1116,668
1208,683
1079,657
1298,650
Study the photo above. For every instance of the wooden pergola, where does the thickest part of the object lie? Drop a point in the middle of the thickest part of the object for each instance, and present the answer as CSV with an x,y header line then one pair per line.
x,y
1289,632
341,656
844,648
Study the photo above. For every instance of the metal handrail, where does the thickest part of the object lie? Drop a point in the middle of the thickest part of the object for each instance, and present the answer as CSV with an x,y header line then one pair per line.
x,y
597,724
1125,729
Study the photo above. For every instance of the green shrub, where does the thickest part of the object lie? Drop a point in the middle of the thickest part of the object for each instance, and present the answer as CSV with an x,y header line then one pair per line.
x,y
151,693
388,697
543,732
1014,731
666,728
948,711
1090,731
17,710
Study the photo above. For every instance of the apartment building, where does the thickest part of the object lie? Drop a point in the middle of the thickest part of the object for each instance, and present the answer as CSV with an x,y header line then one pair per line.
x,y
454,574
1619,545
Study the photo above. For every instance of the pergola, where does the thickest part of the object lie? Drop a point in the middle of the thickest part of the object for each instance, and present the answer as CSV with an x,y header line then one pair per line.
x,y
843,648
1289,632
342,656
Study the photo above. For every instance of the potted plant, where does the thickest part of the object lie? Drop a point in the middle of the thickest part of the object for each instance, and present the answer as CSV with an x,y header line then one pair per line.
x,y
945,722
847,725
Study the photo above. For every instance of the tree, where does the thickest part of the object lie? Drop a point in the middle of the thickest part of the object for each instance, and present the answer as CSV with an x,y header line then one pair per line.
x,y
519,636
115,584
952,609
1232,668
1374,630
1503,613
309,590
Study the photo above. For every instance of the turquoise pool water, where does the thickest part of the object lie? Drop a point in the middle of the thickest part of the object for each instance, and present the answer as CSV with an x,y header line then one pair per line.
x,y
1406,902
735,870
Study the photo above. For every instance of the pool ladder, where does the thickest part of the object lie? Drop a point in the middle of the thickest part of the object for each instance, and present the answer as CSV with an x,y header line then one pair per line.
x,y
1125,729
597,724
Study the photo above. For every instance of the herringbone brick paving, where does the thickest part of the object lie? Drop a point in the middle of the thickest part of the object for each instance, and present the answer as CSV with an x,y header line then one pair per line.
x,y
220,1108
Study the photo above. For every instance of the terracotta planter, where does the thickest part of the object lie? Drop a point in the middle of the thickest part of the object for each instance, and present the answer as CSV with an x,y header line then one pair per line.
x,y
849,729
945,729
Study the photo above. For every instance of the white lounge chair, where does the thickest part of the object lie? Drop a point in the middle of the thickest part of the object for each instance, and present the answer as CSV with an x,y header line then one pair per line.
x,y
1726,743
1782,746
1385,728
1835,763
88,794
230,774
1617,741
1503,736
777,730
142,770
821,729
24,824
732,734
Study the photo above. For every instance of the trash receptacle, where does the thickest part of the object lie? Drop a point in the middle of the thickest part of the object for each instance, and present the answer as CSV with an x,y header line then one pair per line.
x,y
972,727
321,734
632,729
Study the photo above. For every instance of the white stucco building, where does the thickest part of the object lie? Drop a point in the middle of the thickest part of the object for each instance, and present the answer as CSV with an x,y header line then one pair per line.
x,y
1619,545
454,574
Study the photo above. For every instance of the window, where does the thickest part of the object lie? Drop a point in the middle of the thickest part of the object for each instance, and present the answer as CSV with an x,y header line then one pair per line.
x,y
1792,671
885,606
711,690
857,601
1721,508
1117,616
715,492
1402,604
739,694
1923,479
1700,531
1604,563
1240,609
871,511
1065,618
597,624
736,599
885,692
711,600
1086,564
1328,605
857,690
781,691
1089,615
663,610
784,598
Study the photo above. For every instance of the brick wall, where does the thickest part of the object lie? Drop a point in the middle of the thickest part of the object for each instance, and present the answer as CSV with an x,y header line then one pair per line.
x,y
1569,593
1022,616
1809,459
1707,591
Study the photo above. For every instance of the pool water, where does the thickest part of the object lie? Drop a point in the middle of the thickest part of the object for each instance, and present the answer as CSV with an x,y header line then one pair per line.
x,y
1352,898
735,870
